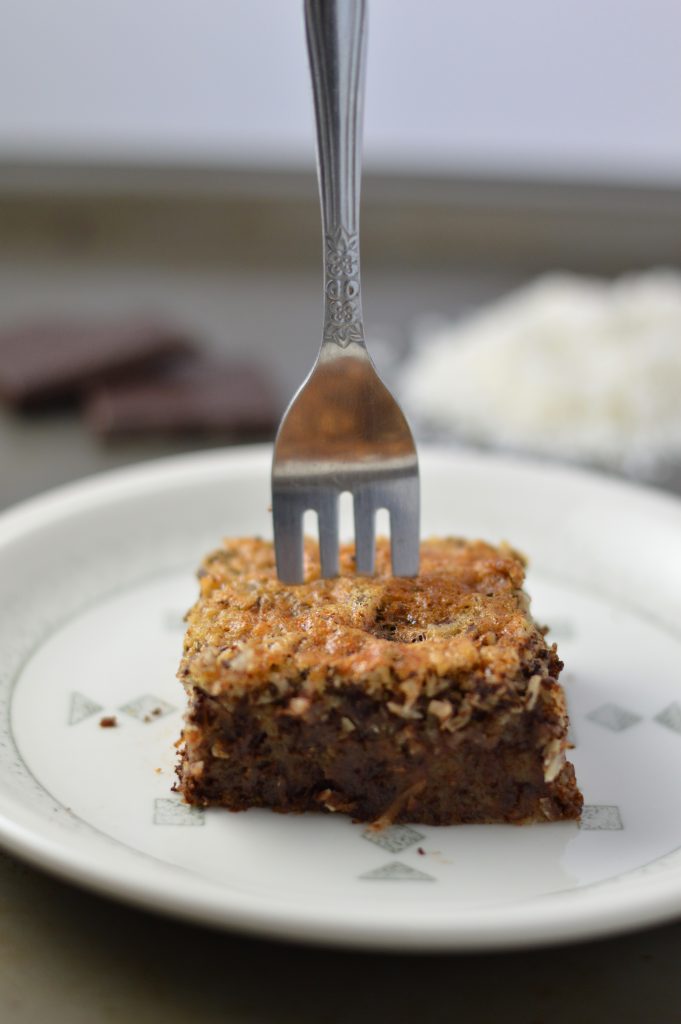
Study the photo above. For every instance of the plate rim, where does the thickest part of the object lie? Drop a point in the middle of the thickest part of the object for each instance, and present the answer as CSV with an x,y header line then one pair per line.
x,y
146,474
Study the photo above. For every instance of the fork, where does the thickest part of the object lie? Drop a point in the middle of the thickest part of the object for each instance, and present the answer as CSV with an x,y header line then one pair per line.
x,y
343,431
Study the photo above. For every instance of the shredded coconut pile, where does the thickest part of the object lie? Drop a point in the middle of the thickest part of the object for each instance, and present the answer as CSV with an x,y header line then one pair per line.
x,y
572,367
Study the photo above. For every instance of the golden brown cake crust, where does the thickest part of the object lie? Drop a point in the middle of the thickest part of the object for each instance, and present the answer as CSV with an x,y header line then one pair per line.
x,y
465,612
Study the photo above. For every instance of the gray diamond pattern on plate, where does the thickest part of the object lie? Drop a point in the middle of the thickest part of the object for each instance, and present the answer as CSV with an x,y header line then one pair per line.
x,y
82,707
174,812
614,717
600,818
395,871
670,717
394,838
147,708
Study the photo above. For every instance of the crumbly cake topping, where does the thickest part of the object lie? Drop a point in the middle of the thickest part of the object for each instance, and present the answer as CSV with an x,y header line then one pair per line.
x,y
462,623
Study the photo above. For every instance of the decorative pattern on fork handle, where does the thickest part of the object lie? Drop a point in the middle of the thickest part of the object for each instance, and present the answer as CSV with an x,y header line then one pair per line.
x,y
343,306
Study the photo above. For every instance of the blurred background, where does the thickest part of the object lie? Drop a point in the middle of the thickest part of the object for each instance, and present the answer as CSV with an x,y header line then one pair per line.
x,y
157,168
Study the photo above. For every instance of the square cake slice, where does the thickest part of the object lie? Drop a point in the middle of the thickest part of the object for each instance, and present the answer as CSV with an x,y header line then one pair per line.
x,y
431,700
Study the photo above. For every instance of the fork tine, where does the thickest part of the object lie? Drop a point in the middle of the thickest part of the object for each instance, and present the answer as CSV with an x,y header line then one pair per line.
x,y
327,512
288,538
365,532
404,528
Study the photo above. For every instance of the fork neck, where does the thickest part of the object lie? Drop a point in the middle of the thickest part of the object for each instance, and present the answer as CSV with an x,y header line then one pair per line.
x,y
336,40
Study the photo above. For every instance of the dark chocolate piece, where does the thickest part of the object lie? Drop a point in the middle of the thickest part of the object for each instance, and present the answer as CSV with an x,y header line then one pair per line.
x,y
44,364
209,396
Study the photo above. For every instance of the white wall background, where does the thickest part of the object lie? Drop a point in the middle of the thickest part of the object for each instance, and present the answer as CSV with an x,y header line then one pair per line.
x,y
577,88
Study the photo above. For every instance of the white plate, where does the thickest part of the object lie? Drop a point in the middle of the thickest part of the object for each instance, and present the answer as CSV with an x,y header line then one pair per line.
x,y
94,580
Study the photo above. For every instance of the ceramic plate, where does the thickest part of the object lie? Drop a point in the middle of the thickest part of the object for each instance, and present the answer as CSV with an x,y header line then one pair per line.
x,y
94,581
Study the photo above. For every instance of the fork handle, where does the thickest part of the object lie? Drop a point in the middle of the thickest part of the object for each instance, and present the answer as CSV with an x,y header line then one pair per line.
x,y
336,42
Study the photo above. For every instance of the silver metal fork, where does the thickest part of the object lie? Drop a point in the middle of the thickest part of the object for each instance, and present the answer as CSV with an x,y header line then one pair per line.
x,y
343,431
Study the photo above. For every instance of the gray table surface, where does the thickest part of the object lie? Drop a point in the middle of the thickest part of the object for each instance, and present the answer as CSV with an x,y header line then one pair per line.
x,y
66,955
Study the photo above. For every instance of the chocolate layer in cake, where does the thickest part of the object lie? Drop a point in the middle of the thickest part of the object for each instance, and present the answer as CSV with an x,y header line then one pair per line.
x,y
431,700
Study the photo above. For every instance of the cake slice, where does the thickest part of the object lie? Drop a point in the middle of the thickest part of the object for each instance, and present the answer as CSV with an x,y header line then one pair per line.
x,y
431,700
